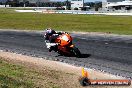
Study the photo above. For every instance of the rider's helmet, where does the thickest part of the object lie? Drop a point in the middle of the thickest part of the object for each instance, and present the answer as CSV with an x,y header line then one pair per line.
x,y
49,32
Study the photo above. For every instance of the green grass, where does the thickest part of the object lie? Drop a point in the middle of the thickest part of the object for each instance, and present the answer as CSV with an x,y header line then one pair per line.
x,y
13,76
18,76
23,75
65,22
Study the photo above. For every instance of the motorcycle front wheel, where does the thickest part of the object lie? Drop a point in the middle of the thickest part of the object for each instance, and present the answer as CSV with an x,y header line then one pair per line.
x,y
76,51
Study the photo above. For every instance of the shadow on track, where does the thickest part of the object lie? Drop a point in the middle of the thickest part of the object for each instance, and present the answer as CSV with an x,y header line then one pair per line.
x,y
82,56
85,55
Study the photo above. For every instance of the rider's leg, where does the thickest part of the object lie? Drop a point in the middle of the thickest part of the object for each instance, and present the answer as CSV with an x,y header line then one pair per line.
x,y
52,40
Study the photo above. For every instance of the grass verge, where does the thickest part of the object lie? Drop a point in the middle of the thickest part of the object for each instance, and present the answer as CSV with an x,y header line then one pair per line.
x,y
9,19
21,76
13,76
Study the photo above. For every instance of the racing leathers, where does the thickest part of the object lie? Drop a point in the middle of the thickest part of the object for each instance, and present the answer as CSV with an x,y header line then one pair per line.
x,y
51,39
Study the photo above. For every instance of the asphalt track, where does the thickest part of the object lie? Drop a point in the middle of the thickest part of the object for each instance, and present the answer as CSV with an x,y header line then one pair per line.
x,y
112,54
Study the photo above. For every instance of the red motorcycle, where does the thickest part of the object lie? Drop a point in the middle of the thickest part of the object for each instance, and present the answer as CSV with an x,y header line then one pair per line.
x,y
64,46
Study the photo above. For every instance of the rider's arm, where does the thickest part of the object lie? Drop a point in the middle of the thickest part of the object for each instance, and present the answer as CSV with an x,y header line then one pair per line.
x,y
46,37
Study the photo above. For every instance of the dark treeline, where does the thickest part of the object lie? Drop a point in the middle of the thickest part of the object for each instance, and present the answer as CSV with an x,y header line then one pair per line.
x,y
16,3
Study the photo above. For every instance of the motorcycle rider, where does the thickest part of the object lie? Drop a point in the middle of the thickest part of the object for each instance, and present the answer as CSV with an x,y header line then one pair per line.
x,y
51,35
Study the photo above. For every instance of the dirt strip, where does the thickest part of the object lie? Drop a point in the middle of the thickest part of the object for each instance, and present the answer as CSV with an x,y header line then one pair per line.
x,y
40,63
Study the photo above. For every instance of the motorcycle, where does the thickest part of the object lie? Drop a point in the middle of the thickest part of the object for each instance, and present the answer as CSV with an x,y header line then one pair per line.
x,y
63,46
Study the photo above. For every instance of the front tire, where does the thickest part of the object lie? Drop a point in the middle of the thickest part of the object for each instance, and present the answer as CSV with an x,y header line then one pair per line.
x,y
76,52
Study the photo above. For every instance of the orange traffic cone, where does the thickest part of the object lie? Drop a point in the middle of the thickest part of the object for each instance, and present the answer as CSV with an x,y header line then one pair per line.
x,y
84,73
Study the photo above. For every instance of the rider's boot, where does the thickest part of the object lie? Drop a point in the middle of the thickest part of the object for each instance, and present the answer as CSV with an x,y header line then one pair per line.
x,y
53,48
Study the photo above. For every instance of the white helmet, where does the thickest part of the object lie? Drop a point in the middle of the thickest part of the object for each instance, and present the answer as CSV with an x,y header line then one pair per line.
x,y
49,31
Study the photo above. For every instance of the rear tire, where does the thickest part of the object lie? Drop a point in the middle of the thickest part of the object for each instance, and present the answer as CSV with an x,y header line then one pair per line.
x,y
76,52
60,53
